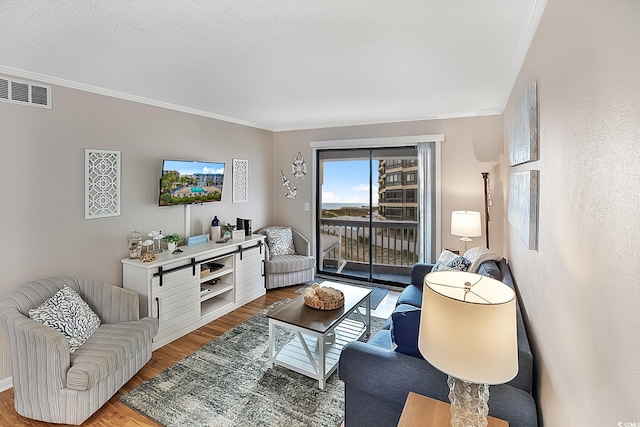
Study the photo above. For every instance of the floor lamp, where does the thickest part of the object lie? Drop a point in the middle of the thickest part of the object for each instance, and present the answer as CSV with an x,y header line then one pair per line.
x,y
487,204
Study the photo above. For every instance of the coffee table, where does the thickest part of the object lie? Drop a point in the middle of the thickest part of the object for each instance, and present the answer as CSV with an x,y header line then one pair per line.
x,y
318,336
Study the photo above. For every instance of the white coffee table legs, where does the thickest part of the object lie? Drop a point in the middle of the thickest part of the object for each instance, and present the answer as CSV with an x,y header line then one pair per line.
x,y
312,353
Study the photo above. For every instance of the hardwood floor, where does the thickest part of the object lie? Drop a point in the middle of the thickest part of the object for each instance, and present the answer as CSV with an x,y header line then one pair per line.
x,y
116,413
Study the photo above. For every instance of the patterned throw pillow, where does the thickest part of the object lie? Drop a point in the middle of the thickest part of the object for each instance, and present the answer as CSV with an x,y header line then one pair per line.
x,y
69,314
443,260
280,241
450,261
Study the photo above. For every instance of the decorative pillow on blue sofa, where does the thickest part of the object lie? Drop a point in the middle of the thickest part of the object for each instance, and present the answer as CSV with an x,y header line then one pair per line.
x,y
450,261
405,326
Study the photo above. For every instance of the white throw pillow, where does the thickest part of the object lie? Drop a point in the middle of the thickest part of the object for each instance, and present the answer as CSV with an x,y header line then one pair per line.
x,y
69,314
478,255
280,241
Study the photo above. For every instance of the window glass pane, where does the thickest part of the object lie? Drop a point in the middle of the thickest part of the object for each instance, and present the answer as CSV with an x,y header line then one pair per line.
x,y
368,213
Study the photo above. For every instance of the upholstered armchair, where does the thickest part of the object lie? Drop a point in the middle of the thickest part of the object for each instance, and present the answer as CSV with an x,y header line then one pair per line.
x,y
55,385
288,258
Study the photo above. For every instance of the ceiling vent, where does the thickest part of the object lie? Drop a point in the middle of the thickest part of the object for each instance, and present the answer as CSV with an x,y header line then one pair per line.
x,y
25,93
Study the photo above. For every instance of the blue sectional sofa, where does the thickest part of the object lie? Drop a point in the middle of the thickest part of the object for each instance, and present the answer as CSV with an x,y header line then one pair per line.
x,y
378,376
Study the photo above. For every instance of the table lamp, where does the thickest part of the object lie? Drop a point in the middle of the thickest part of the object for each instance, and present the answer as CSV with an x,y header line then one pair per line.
x,y
468,331
466,224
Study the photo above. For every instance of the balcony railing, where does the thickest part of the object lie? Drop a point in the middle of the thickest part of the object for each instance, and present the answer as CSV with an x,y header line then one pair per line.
x,y
351,244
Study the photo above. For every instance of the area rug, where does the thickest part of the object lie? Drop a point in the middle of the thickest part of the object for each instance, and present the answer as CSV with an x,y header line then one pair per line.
x,y
377,294
228,382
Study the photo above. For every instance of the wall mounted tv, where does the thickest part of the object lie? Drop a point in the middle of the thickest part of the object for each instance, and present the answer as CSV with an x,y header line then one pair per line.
x,y
185,182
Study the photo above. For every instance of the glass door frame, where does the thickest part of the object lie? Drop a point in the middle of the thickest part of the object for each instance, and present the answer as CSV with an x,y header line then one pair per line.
x,y
366,157
372,143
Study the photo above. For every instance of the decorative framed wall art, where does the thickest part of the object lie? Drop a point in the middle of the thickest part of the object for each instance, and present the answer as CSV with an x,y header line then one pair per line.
x,y
523,206
240,180
523,128
102,183
299,167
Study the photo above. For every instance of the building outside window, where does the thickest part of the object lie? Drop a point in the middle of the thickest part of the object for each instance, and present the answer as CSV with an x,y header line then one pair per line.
x,y
393,214
410,214
394,178
410,178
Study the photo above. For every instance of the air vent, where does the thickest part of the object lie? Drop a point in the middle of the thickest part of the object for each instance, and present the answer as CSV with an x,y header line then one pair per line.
x,y
4,89
40,95
24,93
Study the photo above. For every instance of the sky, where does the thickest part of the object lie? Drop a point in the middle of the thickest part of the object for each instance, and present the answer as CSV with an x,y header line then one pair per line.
x,y
191,167
347,181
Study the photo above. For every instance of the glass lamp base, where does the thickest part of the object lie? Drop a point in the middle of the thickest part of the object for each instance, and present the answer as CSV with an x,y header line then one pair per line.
x,y
464,245
469,403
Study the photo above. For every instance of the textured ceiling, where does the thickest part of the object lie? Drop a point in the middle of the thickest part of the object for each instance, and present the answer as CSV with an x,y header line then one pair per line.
x,y
279,64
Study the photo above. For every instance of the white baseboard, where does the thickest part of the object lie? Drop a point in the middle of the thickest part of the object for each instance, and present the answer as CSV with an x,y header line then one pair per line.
x,y
6,384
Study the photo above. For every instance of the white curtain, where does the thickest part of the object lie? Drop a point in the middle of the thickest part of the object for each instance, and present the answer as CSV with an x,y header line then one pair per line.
x,y
426,190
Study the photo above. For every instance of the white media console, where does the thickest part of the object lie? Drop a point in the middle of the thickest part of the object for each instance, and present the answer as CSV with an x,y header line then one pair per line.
x,y
188,290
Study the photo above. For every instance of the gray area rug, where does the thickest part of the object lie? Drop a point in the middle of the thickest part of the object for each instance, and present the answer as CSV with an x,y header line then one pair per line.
x,y
227,382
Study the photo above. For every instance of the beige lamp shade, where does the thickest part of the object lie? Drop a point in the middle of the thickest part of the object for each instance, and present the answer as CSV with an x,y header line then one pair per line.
x,y
469,332
466,223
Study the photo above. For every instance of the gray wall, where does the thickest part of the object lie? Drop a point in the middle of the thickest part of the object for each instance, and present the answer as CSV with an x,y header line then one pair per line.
x,y
472,145
42,179
42,183
581,288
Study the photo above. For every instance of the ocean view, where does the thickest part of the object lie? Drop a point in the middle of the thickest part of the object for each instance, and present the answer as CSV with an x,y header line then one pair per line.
x,y
344,205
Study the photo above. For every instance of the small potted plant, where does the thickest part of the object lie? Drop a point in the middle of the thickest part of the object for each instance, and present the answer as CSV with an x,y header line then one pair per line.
x,y
227,230
172,241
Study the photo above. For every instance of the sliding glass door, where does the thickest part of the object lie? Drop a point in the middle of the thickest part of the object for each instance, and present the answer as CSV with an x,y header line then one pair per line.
x,y
369,212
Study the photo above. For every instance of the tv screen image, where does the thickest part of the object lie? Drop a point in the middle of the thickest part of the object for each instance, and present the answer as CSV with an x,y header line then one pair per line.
x,y
186,182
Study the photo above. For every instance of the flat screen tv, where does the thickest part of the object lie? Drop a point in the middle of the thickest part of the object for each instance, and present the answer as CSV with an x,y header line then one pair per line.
x,y
186,182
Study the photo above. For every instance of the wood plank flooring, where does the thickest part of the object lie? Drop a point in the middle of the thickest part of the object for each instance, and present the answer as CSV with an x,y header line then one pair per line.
x,y
116,413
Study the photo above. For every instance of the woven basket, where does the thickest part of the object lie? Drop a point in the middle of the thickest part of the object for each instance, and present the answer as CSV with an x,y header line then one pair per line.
x,y
324,305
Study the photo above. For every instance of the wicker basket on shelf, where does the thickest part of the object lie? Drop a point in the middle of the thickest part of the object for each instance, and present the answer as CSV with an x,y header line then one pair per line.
x,y
323,297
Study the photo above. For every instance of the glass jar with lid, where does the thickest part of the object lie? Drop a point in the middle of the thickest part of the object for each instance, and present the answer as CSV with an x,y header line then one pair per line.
x,y
135,244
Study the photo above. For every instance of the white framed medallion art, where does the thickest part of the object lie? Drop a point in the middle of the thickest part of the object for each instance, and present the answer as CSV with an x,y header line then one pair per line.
x,y
102,183
240,180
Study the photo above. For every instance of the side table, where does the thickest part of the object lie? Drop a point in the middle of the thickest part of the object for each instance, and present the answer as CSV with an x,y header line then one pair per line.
x,y
422,411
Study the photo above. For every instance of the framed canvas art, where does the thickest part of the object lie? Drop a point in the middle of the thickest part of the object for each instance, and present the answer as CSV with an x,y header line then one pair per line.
x,y
523,128
523,206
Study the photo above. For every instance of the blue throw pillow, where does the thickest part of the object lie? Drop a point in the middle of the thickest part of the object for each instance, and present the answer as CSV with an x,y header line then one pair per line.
x,y
405,326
